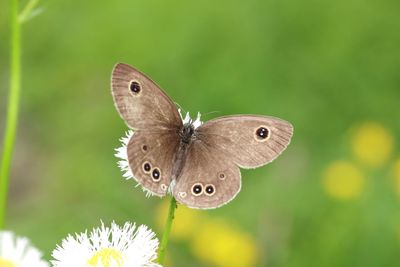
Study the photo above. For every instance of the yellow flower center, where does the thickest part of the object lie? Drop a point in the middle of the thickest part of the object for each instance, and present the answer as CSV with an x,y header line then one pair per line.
x,y
106,257
7,263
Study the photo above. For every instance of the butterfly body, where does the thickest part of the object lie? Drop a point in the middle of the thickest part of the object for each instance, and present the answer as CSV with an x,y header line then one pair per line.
x,y
186,134
198,163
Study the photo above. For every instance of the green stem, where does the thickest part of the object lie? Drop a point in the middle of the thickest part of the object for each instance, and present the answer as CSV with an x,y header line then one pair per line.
x,y
27,11
12,110
167,230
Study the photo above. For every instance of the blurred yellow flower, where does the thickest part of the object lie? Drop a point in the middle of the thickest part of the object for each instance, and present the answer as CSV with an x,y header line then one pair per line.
x,y
215,242
219,244
6,263
372,144
396,176
185,223
343,180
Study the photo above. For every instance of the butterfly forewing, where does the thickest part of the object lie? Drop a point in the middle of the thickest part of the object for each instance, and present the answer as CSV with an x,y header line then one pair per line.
x,y
249,141
140,102
207,180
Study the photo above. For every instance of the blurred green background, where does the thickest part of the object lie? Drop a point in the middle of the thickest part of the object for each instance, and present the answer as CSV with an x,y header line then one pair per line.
x,y
329,67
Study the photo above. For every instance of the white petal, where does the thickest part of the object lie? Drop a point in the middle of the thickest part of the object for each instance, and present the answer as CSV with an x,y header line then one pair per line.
x,y
19,251
138,247
187,118
123,155
197,122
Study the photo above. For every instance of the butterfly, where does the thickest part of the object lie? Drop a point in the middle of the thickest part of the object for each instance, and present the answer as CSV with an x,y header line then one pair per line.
x,y
198,163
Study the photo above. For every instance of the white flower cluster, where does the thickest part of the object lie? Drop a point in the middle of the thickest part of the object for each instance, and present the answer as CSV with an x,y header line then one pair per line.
x,y
114,246
18,252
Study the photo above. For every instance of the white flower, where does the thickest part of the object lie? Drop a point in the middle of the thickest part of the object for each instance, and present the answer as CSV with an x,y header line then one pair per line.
x,y
123,163
18,252
196,123
108,247
122,152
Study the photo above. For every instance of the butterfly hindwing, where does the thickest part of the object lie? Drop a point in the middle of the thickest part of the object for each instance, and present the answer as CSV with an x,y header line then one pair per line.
x,y
151,156
207,180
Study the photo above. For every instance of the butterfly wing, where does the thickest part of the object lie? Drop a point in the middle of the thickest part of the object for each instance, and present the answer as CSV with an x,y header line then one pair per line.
x,y
207,180
156,121
140,102
222,146
151,156
249,141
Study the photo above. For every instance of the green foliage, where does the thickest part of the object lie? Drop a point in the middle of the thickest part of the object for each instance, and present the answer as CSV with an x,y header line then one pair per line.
x,y
324,66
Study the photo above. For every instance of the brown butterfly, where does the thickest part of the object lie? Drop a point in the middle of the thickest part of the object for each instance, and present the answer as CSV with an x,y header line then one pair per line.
x,y
198,163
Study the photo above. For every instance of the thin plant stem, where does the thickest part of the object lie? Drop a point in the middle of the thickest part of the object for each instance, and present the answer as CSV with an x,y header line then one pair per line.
x,y
167,230
12,110
28,11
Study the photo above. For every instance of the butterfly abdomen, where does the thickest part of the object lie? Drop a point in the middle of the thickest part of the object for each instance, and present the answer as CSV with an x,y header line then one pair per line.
x,y
180,159
186,135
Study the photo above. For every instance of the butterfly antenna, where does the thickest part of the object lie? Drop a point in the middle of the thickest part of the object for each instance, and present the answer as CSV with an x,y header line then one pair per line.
x,y
208,113
180,107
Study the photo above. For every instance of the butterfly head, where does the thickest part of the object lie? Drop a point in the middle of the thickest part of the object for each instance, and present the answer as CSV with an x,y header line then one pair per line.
x,y
188,130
